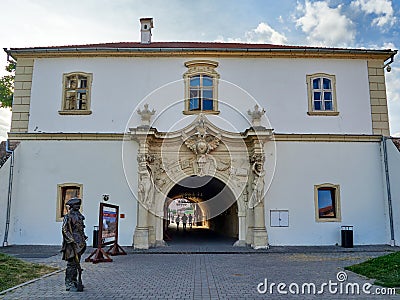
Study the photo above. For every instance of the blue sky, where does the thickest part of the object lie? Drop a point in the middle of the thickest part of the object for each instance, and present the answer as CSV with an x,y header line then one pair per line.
x,y
352,23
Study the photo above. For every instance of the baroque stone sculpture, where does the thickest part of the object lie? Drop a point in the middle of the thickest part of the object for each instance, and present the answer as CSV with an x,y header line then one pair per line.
x,y
258,181
146,115
256,115
201,144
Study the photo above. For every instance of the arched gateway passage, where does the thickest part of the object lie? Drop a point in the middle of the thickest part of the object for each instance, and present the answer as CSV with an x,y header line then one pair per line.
x,y
221,171
215,205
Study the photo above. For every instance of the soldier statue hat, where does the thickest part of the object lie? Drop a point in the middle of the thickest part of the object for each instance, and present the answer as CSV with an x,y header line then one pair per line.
x,y
74,201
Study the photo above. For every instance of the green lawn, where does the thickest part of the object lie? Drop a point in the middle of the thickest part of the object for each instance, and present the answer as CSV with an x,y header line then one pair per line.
x,y
384,269
14,271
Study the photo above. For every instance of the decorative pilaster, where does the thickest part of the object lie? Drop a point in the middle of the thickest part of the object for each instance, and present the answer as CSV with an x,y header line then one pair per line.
x,y
141,235
241,242
260,236
144,237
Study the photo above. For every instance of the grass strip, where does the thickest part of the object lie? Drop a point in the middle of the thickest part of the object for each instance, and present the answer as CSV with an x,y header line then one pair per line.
x,y
14,271
384,269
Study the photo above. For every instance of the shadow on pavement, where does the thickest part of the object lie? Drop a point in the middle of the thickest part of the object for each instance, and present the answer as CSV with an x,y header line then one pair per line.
x,y
197,236
31,251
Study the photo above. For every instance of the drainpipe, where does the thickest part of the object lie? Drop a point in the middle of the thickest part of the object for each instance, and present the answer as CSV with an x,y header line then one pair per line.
x,y
389,195
10,182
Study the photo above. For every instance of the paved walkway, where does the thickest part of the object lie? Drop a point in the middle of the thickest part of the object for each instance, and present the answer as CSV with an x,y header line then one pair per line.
x,y
189,268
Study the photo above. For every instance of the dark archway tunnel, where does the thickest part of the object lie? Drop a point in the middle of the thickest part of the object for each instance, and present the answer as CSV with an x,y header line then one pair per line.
x,y
215,209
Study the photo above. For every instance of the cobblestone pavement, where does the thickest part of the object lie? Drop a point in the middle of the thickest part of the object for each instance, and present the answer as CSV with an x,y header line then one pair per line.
x,y
185,271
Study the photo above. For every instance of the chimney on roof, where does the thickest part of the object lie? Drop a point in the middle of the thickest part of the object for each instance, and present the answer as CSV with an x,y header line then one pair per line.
x,y
146,24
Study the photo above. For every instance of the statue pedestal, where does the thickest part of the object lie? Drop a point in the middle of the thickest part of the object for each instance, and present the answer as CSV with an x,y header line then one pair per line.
x,y
249,235
141,238
260,238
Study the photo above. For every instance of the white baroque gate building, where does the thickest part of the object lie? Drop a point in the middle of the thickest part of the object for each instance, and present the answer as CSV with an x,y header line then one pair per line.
x,y
325,165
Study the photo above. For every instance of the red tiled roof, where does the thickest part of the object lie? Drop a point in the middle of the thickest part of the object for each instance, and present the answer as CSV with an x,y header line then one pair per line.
x,y
188,45
209,45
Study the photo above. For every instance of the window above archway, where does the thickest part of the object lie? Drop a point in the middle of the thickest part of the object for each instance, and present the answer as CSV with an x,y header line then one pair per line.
x,y
201,87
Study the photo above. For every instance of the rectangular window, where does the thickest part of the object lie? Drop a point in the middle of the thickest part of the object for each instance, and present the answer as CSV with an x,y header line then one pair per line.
x,y
322,94
327,205
76,93
201,93
201,81
65,192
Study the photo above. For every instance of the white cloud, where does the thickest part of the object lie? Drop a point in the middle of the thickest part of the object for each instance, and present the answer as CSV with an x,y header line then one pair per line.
x,y
265,34
393,92
381,8
5,122
393,95
262,34
325,26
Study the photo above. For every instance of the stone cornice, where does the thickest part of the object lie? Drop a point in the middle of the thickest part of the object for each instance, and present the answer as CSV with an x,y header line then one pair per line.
x,y
278,137
282,137
60,136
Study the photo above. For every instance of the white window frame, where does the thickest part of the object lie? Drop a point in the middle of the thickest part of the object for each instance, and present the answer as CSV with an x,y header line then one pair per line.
x,y
310,90
201,68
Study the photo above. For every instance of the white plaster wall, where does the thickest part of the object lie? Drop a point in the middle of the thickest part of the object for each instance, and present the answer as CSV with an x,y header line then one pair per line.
x,y
394,173
4,176
41,165
354,166
279,85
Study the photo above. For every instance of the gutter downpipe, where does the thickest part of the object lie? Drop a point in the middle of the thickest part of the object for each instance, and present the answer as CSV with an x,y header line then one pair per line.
x,y
10,183
389,195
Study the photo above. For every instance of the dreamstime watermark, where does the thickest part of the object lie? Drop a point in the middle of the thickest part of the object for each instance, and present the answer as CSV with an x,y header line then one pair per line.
x,y
338,287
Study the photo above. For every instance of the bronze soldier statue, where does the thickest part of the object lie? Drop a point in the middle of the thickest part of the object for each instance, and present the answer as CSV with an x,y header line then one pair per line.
x,y
74,244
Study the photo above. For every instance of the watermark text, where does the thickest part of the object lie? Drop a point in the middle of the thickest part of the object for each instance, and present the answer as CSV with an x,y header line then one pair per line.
x,y
340,286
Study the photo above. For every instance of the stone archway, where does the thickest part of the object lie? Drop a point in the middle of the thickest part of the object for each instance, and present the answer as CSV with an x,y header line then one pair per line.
x,y
204,150
217,207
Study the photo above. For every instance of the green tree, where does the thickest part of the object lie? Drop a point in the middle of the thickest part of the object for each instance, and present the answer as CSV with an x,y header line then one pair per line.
x,y
7,86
